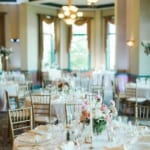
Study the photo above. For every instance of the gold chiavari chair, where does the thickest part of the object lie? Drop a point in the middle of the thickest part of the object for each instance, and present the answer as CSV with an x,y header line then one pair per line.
x,y
130,100
22,92
41,106
133,97
12,101
20,121
97,89
72,112
142,116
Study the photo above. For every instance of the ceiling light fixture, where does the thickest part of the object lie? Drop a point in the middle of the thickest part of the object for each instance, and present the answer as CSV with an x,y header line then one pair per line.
x,y
91,2
69,13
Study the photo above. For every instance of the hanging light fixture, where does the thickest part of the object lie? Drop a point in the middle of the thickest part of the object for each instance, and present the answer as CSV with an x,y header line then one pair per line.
x,y
91,2
69,13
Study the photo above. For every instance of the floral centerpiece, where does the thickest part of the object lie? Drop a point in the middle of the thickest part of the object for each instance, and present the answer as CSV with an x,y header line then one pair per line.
x,y
101,114
63,86
5,51
146,45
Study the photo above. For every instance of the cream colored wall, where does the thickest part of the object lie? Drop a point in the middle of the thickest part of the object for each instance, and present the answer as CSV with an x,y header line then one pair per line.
x,y
29,33
63,55
133,24
122,59
132,33
23,35
12,31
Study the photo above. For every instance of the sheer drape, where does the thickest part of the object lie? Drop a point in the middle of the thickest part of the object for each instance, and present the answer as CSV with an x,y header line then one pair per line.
x,y
107,20
48,20
80,22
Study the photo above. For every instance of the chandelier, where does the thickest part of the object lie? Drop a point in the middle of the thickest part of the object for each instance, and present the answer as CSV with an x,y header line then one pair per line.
x,y
69,13
91,2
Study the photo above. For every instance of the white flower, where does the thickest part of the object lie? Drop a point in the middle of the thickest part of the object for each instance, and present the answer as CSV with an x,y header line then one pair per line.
x,y
65,87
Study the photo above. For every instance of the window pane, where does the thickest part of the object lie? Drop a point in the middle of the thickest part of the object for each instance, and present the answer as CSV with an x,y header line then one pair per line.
x,y
79,55
48,46
46,52
110,56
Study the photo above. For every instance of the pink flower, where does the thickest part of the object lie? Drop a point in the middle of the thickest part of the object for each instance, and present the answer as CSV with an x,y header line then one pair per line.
x,y
108,118
85,105
103,107
112,102
98,97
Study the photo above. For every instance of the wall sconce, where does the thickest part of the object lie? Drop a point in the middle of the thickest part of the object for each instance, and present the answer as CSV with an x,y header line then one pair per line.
x,y
130,43
15,40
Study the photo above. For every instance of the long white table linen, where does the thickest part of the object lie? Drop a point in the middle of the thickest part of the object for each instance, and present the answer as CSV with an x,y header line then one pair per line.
x,y
11,87
142,90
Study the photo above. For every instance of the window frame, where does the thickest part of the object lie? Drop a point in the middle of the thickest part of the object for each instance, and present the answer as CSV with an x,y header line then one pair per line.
x,y
88,59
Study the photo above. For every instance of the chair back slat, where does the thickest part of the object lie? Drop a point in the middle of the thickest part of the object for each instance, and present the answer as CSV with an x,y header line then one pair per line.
x,y
130,92
72,111
41,106
143,113
20,120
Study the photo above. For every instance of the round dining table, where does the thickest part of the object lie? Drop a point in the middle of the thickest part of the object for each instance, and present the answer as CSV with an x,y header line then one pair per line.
x,y
142,90
54,137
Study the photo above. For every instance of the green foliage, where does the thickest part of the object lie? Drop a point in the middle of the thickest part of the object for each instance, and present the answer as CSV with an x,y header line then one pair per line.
x,y
5,51
146,46
79,53
99,124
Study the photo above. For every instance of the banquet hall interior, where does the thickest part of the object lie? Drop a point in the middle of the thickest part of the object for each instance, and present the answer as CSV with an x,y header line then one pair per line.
x,y
91,55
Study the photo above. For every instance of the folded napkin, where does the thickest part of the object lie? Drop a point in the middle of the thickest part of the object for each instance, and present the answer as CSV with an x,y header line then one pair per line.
x,y
67,146
121,147
44,128
144,138
32,138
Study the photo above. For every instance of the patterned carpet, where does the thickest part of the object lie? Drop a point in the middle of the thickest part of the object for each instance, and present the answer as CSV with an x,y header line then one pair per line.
x,y
5,143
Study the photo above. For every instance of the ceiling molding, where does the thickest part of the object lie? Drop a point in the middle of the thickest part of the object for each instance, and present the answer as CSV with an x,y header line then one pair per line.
x,y
80,6
8,1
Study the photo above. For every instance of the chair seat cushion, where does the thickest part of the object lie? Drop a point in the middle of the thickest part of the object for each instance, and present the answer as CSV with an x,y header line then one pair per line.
x,y
44,119
144,122
139,100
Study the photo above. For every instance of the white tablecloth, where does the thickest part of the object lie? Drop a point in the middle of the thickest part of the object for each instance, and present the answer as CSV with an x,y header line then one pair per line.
x,y
142,90
54,74
11,87
52,137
